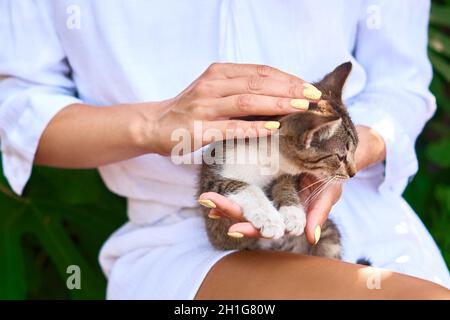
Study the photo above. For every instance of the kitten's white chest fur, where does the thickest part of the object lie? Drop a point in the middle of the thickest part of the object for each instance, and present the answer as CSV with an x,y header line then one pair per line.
x,y
258,163
255,162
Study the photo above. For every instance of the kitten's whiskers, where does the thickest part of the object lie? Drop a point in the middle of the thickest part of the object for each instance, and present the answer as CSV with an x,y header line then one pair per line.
x,y
314,183
313,196
317,190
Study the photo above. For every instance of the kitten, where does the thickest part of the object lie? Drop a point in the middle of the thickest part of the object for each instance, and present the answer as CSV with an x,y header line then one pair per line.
x,y
319,142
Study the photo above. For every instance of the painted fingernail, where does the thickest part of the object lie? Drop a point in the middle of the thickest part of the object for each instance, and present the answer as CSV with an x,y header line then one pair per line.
x,y
271,125
207,203
311,92
236,235
317,233
309,85
300,104
213,216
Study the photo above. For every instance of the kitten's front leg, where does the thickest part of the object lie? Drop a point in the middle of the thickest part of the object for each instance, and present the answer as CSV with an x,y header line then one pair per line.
x,y
258,210
286,199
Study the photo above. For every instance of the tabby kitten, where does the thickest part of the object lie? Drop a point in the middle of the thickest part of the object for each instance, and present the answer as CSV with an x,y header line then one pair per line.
x,y
319,142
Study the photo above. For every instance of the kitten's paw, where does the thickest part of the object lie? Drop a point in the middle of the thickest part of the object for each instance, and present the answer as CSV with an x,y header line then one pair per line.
x,y
260,211
294,219
267,219
273,227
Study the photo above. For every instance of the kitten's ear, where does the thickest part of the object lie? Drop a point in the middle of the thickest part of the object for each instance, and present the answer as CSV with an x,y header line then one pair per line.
x,y
335,80
322,127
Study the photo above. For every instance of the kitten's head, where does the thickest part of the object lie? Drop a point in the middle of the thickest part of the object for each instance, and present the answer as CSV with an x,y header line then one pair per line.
x,y
323,140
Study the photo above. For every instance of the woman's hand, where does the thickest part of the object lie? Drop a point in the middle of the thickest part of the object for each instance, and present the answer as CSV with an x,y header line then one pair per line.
x,y
317,210
85,136
371,149
225,91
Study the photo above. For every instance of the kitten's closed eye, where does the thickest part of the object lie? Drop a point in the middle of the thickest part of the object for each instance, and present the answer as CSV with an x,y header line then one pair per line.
x,y
347,146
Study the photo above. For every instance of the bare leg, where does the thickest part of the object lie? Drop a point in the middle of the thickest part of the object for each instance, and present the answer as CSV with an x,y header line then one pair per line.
x,y
282,275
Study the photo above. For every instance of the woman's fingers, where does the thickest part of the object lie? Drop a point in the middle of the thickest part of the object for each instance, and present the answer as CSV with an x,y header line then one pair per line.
x,y
252,104
234,70
221,206
319,210
262,86
317,213
246,229
227,91
239,129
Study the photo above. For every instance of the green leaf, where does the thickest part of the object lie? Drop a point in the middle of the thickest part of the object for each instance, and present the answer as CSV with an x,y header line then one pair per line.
x,y
443,197
12,280
439,42
440,15
439,153
440,65
438,86
63,252
418,194
69,214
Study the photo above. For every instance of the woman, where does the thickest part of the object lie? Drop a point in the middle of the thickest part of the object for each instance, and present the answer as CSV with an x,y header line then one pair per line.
x,y
77,73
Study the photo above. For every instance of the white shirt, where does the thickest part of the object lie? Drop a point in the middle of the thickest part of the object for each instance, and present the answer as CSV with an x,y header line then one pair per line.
x,y
54,53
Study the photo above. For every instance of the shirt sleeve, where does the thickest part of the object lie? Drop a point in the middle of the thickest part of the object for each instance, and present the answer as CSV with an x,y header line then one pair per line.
x,y
391,46
35,84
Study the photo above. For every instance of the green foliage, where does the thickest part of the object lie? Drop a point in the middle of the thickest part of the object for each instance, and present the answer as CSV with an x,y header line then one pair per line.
x,y
65,216
429,192
62,219
439,152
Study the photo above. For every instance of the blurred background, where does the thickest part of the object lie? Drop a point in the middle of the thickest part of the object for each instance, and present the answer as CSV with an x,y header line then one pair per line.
x,y
65,216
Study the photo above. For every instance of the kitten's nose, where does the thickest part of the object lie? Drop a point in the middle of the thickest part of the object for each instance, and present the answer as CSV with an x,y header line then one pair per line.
x,y
351,170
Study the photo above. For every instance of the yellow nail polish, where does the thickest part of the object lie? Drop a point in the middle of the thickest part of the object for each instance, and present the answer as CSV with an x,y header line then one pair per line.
x,y
312,93
207,203
271,125
309,85
236,235
317,233
213,216
300,104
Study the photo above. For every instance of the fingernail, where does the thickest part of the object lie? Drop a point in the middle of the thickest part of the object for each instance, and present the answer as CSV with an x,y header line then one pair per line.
x,y
311,92
309,85
300,103
236,235
271,125
207,203
317,233
213,216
